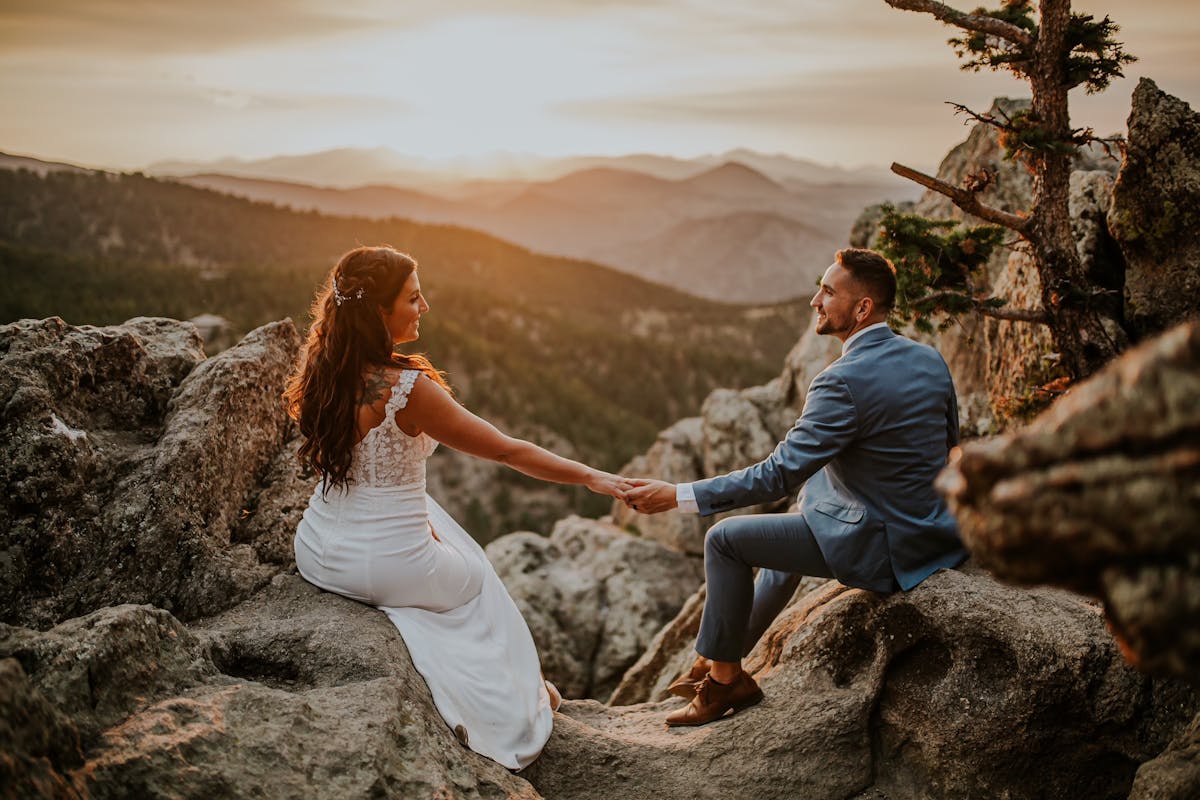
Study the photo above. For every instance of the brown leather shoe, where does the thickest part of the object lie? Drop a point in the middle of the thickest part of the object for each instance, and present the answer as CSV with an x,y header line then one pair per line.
x,y
685,685
714,700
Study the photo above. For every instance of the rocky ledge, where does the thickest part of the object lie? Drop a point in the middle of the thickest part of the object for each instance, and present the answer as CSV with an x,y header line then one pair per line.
x,y
1101,494
156,641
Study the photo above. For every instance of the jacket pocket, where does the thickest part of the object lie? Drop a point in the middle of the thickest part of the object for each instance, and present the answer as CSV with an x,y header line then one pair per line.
x,y
851,515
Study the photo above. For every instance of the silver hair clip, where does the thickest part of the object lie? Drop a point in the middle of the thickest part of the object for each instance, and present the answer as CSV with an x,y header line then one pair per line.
x,y
340,298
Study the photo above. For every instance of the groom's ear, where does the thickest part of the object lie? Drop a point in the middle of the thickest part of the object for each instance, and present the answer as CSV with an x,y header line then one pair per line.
x,y
866,305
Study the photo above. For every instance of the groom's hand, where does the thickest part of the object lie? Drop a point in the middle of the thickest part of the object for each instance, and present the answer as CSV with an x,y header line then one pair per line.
x,y
650,496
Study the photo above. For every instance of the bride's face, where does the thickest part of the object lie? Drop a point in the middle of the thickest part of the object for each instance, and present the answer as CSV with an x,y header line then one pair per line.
x,y
403,318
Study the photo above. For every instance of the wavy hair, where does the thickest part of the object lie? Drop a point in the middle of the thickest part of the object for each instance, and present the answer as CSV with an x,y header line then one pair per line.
x,y
345,340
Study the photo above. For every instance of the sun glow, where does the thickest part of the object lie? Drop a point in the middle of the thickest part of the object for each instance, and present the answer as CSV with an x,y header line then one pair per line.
x,y
842,82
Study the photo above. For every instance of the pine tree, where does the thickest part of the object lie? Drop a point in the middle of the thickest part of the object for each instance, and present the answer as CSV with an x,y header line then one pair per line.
x,y
1054,52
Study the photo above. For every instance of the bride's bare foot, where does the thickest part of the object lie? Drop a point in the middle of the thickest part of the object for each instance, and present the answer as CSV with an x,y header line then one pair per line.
x,y
555,697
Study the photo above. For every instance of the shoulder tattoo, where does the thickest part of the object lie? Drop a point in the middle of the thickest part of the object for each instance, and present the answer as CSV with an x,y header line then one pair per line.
x,y
376,386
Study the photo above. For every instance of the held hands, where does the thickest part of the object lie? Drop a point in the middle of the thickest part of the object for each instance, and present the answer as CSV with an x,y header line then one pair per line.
x,y
609,484
648,496
644,495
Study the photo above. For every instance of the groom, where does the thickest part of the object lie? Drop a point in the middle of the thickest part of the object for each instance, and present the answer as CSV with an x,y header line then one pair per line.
x,y
875,431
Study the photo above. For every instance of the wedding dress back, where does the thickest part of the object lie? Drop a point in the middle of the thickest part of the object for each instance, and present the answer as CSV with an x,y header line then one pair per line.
x,y
374,542
387,456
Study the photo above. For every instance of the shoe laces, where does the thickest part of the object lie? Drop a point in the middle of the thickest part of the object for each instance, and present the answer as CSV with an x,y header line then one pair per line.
x,y
702,689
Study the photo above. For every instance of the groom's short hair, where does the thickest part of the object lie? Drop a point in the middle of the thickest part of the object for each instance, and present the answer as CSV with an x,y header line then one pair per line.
x,y
874,273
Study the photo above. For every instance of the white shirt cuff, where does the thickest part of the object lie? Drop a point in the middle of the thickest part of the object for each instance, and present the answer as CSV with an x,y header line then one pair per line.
x,y
685,497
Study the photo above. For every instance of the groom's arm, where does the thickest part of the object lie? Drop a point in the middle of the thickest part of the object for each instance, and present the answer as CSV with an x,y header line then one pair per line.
x,y
827,425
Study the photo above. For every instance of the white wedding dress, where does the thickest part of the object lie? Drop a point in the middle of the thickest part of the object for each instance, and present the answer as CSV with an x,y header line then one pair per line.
x,y
373,543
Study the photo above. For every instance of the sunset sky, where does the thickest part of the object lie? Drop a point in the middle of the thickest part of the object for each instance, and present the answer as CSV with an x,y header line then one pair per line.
x,y
124,83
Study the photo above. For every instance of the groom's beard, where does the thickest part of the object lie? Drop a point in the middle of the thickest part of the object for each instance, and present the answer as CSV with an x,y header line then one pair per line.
x,y
832,326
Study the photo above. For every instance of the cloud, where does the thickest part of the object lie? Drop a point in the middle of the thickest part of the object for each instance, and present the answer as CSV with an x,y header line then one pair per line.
x,y
200,26
838,77
867,96
145,27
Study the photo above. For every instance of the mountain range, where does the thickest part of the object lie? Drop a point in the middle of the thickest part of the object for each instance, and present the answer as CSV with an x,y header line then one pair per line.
x,y
349,167
754,228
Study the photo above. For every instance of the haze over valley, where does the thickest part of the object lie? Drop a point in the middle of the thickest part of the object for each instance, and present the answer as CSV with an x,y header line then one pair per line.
x,y
737,227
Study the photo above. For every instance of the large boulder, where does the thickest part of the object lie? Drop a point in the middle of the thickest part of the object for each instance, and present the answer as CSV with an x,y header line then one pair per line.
x,y
962,687
295,693
593,596
1154,212
128,459
98,667
1101,494
670,653
273,508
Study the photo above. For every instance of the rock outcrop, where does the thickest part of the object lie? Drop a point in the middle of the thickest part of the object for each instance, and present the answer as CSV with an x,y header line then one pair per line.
x,y
960,688
295,693
594,597
1101,494
1174,775
1154,211
129,458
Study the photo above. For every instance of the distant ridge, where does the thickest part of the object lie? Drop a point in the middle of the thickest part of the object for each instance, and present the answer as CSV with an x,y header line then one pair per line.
x,y
348,167
784,168
735,177
638,223
761,254
606,211
9,161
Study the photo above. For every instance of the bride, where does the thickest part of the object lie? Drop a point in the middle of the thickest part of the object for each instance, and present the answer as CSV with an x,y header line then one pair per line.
x,y
370,418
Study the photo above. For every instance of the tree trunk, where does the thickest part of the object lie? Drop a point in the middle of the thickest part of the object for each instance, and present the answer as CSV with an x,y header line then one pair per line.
x,y
1075,324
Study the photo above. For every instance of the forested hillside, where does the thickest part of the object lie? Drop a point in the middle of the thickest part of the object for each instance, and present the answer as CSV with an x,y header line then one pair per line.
x,y
573,354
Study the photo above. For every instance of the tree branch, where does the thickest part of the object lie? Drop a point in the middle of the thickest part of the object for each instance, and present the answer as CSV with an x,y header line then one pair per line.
x,y
965,200
970,22
1010,314
987,119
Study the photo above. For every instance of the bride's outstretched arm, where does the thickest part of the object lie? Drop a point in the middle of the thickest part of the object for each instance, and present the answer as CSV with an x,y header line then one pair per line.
x,y
432,410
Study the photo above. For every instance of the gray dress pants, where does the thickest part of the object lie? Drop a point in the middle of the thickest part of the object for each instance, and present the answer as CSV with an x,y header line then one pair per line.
x,y
737,608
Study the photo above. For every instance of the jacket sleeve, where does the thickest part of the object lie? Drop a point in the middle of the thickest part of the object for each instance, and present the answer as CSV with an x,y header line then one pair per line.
x,y
827,425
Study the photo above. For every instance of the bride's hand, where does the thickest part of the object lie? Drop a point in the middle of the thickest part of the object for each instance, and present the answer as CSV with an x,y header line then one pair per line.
x,y
609,484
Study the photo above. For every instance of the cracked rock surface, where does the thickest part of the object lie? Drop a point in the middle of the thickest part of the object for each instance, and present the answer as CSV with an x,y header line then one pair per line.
x,y
962,687
1101,494
294,693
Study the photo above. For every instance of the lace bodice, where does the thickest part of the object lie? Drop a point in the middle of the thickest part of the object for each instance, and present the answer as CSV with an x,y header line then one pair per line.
x,y
387,456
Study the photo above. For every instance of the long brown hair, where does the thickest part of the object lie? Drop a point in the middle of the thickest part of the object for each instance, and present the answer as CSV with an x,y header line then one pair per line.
x,y
347,337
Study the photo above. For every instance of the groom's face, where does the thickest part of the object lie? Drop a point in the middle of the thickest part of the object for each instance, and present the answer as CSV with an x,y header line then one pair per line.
x,y
836,302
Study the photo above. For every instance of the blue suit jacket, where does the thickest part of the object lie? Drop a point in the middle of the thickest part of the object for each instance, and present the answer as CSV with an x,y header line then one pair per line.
x,y
876,428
